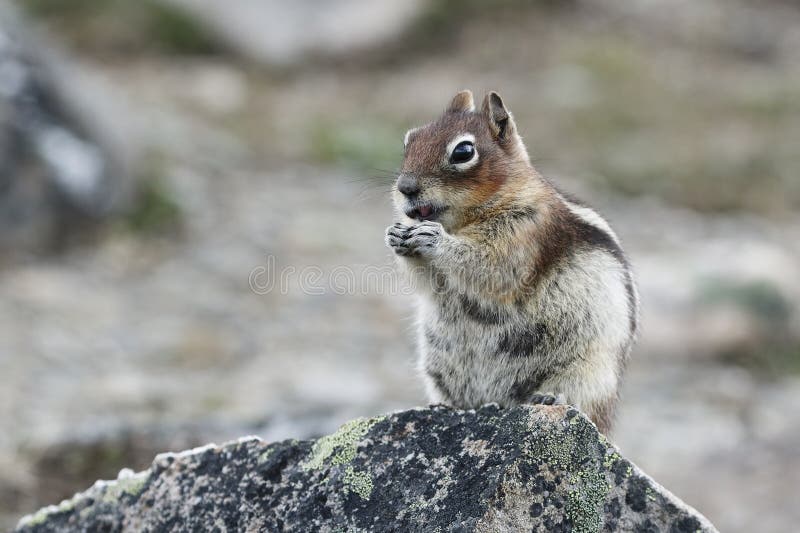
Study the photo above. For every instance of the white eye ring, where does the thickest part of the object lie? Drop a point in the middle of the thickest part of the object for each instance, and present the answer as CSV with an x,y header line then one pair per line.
x,y
452,145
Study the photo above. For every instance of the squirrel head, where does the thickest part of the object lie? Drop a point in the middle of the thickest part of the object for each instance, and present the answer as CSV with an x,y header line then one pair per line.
x,y
461,164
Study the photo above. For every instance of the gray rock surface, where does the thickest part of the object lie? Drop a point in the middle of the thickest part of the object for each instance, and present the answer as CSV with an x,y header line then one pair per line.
x,y
436,469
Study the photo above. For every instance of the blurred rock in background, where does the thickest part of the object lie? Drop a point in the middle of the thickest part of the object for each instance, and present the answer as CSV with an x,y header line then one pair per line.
x,y
679,121
284,33
59,165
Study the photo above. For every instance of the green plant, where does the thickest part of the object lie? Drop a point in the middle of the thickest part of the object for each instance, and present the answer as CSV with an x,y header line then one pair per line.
x,y
123,26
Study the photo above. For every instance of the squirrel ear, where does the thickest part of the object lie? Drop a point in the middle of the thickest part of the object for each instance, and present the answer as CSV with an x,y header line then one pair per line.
x,y
461,102
499,118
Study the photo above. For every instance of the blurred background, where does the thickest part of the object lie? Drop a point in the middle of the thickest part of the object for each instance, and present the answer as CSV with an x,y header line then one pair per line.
x,y
155,154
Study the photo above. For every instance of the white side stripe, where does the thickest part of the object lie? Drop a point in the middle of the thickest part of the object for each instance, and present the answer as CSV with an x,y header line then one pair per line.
x,y
590,216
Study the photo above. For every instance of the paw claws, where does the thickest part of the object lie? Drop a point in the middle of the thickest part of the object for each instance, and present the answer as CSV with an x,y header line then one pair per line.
x,y
411,240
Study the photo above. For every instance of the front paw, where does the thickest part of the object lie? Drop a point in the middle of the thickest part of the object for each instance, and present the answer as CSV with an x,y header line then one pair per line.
x,y
417,240
547,399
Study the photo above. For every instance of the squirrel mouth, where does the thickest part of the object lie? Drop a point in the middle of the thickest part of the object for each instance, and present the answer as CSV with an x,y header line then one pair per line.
x,y
425,211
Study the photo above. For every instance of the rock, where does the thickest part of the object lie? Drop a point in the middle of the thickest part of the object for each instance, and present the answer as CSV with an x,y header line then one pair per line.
x,y
59,159
531,468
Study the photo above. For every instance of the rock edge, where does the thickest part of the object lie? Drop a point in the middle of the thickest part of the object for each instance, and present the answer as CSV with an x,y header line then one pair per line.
x,y
530,468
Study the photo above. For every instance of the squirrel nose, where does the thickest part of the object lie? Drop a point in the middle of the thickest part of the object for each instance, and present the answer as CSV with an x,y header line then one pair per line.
x,y
408,185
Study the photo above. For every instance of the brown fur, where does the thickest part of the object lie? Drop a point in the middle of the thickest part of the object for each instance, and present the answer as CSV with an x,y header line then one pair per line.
x,y
602,413
500,162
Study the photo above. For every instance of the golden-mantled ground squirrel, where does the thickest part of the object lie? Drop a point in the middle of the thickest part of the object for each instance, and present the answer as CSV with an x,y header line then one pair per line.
x,y
525,293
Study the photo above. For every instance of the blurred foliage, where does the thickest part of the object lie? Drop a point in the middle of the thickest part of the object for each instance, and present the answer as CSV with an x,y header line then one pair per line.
x,y
691,145
776,348
124,26
759,298
755,184
154,210
769,360
442,20
370,147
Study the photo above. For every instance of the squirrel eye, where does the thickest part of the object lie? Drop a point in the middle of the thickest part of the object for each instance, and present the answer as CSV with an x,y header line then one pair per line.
x,y
463,152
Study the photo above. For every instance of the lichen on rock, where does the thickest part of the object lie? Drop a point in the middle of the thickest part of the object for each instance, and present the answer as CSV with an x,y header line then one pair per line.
x,y
530,468
341,445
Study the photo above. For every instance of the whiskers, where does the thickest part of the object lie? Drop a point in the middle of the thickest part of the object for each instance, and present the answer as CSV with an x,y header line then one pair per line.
x,y
376,184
